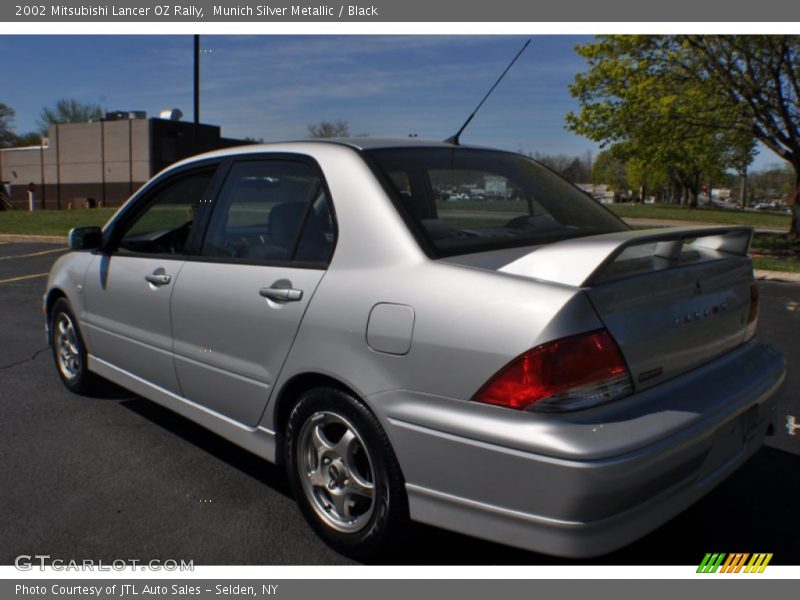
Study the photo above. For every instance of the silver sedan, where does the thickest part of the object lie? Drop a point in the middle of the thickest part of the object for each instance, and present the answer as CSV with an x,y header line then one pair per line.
x,y
428,331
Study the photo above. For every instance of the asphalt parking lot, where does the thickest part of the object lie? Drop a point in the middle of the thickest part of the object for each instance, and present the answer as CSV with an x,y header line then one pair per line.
x,y
116,476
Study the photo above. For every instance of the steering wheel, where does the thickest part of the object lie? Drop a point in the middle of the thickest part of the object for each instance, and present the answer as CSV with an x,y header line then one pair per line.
x,y
177,238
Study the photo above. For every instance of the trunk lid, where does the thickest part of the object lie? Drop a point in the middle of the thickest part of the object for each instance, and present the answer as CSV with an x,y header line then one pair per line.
x,y
673,299
670,321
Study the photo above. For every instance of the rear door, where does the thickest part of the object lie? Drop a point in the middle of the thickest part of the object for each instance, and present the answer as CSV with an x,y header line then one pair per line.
x,y
129,287
237,307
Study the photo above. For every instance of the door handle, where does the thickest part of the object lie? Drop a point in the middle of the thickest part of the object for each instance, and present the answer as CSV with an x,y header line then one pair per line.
x,y
281,294
158,279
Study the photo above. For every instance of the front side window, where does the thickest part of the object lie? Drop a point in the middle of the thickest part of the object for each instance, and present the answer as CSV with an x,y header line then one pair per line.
x,y
166,223
271,211
464,200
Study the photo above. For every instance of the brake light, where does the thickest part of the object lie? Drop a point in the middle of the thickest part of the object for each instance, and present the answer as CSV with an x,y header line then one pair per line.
x,y
752,316
567,374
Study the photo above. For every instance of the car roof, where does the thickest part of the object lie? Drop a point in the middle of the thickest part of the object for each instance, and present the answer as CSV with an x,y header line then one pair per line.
x,y
369,143
366,143
356,143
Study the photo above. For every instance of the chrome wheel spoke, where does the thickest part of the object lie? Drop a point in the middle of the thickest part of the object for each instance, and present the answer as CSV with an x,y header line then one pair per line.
x,y
341,504
344,447
318,439
358,485
316,478
321,446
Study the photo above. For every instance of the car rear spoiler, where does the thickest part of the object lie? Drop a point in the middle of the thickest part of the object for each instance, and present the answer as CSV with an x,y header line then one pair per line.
x,y
580,262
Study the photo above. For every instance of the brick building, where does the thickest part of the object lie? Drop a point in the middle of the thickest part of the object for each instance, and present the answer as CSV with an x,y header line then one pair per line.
x,y
105,161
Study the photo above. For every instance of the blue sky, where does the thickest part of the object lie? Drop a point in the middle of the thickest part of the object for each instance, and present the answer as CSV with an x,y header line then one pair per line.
x,y
272,87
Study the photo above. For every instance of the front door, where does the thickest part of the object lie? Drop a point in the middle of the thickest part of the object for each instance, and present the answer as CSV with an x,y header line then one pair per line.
x,y
129,287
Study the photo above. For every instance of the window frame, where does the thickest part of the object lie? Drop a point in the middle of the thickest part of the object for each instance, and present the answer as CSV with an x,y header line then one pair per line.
x,y
143,199
222,175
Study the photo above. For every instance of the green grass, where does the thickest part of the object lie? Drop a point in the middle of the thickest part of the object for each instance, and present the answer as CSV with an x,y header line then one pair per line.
x,y
55,222
51,222
666,212
494,205
792,265
702,215
776,244
770,251
775,252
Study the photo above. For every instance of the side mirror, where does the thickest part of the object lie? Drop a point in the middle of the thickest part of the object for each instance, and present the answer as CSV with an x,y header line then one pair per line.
x,y
85,238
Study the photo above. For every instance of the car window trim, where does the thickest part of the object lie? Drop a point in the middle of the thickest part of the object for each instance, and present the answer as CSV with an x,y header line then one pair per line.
x,y
143,199
390,189
223,174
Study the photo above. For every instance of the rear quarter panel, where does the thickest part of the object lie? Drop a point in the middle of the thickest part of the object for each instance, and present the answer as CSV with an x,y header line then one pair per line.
x,y
467,322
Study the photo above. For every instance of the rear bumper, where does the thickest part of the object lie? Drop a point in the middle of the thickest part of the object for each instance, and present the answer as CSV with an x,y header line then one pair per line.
x,y
589,482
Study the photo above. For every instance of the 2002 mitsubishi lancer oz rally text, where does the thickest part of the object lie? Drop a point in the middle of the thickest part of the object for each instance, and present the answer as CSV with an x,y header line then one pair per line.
x,y
428,331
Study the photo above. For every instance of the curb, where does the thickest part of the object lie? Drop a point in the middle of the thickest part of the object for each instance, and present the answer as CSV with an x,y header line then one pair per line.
x,y
784,276
677,223
46,239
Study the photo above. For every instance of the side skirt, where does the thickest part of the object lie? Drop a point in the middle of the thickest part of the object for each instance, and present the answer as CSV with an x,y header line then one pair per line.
x,y
258,440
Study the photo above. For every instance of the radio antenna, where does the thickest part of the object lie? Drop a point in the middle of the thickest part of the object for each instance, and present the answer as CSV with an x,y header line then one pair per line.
x,y
455,139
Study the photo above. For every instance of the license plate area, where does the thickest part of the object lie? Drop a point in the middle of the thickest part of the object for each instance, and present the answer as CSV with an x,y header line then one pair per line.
x,y
730,442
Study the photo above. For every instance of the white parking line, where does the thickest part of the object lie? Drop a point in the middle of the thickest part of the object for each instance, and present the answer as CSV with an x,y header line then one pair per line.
x,y
23,277
34,253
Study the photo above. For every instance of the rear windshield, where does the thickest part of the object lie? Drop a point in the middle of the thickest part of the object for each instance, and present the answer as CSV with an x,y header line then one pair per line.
x,y
463,200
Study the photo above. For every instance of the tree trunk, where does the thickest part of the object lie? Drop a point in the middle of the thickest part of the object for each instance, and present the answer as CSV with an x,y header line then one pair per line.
x,y
743,190
794,228
694,189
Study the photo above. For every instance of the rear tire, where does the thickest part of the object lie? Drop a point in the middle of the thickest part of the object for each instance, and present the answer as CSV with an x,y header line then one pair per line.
x,y
69,349
344,474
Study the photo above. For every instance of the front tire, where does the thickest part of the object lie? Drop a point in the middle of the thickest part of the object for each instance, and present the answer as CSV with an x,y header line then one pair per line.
x,y
69,349
344,473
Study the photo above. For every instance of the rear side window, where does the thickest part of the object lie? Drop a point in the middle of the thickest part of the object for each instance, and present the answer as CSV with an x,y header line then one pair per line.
x,y
271,211
463,200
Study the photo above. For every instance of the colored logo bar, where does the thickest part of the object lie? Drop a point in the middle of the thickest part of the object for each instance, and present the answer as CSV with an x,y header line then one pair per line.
x,y
714,562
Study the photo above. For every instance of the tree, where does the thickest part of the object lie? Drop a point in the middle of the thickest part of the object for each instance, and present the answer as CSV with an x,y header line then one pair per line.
x,y
760,75
68,110
575,169
634,98
8,138
610,170
329,129
32,138
6,125
771,184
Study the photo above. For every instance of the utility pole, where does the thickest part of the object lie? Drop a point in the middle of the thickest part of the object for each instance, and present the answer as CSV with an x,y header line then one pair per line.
x,y
196,88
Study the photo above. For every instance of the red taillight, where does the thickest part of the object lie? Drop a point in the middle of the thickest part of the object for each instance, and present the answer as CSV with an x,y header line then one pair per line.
x,y
566,374
752,316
